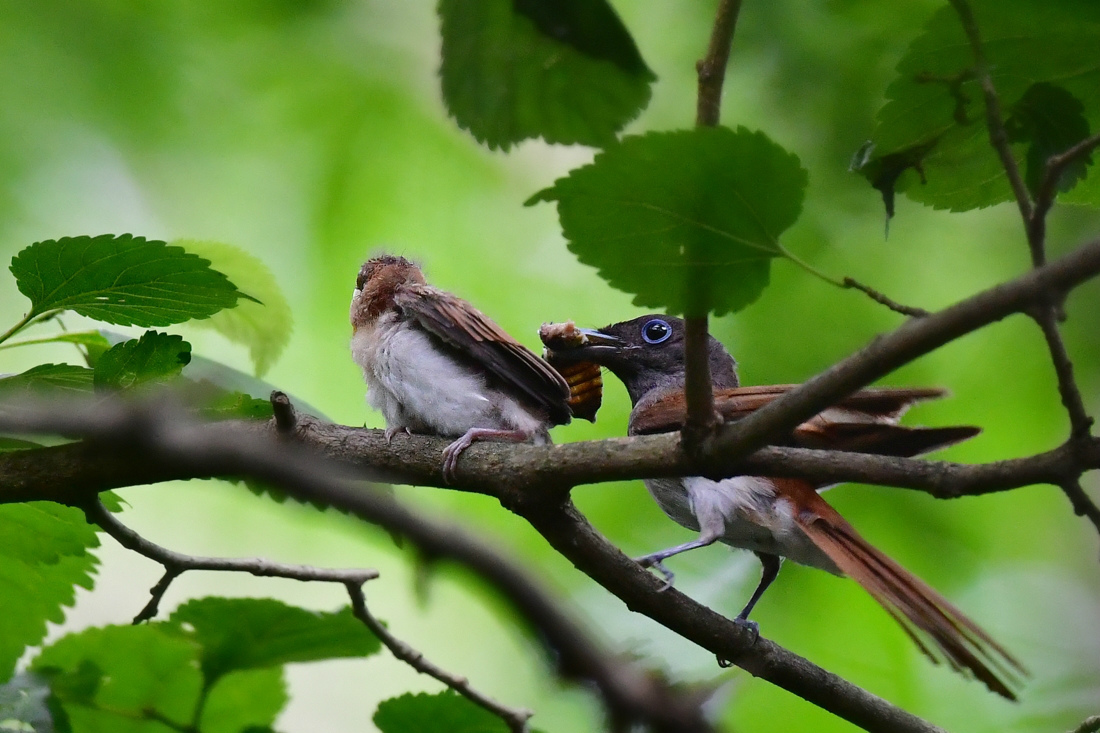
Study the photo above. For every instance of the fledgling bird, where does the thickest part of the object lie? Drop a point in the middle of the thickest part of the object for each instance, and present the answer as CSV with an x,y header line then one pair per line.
x,y
435,364
779,517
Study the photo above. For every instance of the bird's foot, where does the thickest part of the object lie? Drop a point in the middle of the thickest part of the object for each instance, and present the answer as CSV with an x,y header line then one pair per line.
x,y
451,454
455,449
750,626
392,431
654,561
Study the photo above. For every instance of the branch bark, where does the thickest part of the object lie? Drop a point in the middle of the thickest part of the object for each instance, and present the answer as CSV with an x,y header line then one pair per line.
x,y
159,435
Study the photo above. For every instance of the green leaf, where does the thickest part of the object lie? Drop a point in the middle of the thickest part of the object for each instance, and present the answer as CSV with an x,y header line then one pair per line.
x,y
935,105
47,379
154,358
24,706
446,712
225,383
44,554
567,71
1050,120
124,280
264,326
687,221
253,633
113,678
242,700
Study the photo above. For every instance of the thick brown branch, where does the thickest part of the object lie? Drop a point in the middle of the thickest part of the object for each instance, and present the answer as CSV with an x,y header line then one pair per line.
x,y
912,339
156,435
73,473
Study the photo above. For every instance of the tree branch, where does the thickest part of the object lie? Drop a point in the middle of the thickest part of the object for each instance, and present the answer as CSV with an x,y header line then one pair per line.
x,y
72,473
882,299
1048,312
176,563
998,136
159,435
516,720
912,339
1048,187
711,70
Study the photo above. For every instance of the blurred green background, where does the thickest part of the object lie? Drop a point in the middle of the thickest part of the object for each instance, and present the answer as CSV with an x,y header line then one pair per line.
x,y
311,133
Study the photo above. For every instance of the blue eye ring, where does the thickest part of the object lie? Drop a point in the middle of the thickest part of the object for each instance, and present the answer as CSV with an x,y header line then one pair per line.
x,y
656,331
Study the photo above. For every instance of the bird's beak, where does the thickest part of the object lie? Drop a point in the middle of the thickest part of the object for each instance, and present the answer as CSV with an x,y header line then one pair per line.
x,y
592,345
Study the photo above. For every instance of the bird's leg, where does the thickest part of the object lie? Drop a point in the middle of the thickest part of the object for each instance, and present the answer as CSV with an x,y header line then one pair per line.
x,y
455,449
769,570
655,560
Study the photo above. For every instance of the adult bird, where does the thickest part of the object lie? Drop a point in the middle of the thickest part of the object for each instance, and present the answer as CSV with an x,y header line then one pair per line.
x,y
435,364
786,518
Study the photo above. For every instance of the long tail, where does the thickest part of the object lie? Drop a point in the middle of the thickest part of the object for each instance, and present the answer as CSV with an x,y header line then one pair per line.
x,y
939,629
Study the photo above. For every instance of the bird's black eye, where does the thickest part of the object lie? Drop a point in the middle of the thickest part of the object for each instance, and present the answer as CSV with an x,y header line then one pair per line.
x,y
656,331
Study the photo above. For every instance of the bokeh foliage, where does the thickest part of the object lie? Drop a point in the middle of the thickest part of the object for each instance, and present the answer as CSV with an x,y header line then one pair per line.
x,y
313,133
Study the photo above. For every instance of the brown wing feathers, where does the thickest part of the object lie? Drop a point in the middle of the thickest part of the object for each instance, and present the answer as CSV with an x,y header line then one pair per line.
x,y
921,611
469,332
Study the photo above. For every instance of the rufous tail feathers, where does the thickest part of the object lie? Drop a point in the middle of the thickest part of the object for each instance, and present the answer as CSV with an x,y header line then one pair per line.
x,y
925,615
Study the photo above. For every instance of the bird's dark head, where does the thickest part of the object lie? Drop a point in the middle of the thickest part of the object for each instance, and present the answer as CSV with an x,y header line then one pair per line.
x,y
646,353
378,279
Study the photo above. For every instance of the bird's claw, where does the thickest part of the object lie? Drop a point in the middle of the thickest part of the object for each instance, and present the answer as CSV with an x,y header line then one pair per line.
x,y
392,431
750,626
654,561
450,457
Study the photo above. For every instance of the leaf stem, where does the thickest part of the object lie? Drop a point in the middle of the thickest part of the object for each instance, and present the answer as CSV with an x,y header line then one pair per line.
x,y
808,267
18,326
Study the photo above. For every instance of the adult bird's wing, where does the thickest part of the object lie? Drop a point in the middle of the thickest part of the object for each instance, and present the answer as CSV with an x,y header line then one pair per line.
x,y
879,405
477,338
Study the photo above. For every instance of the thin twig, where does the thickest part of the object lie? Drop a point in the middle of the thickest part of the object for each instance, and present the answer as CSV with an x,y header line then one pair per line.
x,y
998,135
1080,421
880,298
176,563
1048,187
515,719
711,70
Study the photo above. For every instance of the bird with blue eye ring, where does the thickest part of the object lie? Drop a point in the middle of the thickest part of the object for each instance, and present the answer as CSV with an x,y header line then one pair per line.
x,y
656,331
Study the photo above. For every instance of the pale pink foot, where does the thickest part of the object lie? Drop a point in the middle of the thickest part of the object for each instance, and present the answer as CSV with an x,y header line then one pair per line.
x,y
455,449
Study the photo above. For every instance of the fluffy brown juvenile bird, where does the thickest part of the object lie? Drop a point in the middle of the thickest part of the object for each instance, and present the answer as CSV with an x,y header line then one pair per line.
x,y
786,518
435,364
